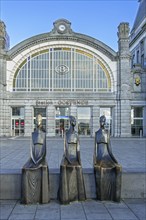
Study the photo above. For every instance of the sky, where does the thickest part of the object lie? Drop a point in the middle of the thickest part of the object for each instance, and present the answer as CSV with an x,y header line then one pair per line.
x,y
96,18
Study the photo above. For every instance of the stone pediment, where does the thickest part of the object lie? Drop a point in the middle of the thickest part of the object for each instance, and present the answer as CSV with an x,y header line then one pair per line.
x,y
62,32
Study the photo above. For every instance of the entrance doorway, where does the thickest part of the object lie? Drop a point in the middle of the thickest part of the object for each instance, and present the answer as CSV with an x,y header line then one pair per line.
x,y
84,118
62,124
17,126
62,120
18,122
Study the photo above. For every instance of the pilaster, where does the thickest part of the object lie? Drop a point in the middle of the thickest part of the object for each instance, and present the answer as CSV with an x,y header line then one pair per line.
x,y
124,84
95,115
28,120
4,109
5,117
125,118
50,121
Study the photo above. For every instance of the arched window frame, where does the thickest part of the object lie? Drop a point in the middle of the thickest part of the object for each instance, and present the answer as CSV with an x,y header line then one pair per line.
x,y
93,69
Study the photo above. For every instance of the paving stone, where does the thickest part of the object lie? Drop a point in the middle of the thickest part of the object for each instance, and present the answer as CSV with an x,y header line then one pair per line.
x,y
99,216
94,207
138,207
6,210
49,214
72,211
20,208
122,214
20,216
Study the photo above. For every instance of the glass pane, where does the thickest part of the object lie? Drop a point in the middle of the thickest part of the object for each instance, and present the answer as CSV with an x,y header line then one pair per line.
x,y
18,111
62,111
137,112
137,127
136,121
40,110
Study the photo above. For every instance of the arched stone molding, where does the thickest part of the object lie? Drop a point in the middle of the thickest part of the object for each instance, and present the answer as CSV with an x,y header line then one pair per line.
x,y
17,61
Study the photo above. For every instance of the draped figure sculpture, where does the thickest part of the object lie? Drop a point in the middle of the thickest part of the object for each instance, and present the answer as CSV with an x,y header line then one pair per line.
x,y
106,168
71,187
35,173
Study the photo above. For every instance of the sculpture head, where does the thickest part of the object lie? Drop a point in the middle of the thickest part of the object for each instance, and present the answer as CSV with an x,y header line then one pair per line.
x,y
39,120
102,121
72,121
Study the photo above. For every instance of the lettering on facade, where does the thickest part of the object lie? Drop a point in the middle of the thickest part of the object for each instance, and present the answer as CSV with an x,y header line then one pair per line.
x,y
43,102
67,102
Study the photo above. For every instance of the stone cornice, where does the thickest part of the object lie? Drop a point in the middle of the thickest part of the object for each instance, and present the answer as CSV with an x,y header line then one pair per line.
x,y
143,30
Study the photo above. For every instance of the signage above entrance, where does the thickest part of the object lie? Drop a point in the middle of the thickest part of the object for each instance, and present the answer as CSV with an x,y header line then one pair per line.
x,y
66,102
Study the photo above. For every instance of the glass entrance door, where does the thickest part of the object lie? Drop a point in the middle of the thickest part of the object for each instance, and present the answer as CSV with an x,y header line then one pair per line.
x,y
62,120
62,124
84,125
17,126
18,123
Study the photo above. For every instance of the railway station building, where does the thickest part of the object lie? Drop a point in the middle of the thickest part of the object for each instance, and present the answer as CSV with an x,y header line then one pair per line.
x,y
62,73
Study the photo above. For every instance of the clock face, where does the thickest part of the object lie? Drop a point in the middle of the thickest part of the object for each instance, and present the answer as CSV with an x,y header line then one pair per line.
x,y
62,27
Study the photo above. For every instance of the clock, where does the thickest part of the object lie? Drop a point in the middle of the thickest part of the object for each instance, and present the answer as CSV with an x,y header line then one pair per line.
x,y
62,27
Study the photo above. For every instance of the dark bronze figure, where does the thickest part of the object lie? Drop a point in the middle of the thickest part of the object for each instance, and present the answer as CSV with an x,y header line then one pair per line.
x,y
106,168
71,186
35,173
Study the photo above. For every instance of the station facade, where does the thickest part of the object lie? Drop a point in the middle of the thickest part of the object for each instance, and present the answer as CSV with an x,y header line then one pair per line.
x,y
62,73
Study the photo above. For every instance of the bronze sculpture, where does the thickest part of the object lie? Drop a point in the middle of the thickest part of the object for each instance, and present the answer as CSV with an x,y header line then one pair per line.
x,y
71,185
106,168
35,173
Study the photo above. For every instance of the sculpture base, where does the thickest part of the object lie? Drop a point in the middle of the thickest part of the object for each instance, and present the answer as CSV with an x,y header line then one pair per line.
x,y
71,187
108,182
35,185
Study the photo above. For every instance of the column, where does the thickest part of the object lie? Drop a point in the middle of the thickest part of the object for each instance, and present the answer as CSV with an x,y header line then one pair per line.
x,y
4,112
28,120
5,118
117,119
50,121
124,83
125,118
95,115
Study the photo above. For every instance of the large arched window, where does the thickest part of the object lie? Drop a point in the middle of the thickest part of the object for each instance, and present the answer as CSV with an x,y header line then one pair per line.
x,y
62,69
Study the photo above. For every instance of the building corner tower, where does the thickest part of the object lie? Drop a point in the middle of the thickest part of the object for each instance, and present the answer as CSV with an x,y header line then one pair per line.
x,y
124,87
4,45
